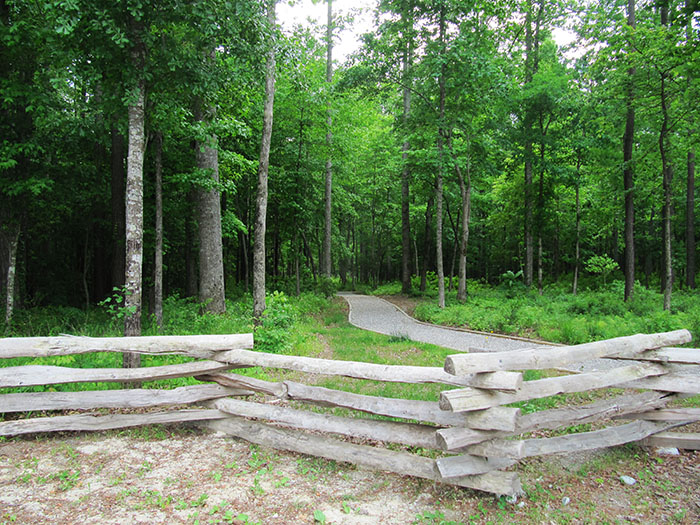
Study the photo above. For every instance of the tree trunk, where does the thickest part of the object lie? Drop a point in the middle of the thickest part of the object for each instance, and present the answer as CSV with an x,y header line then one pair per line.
x,y
628,172
577,260
405,181
540,211
263,168
134,201
118,218
158,269
426,245
648,257
465,190
438,188
667,174
690,223
191,283
211,265
86,267
327,230
529,72
12,243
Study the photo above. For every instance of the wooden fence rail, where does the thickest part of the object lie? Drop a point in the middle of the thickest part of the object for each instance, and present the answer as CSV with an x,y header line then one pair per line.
x,y
478,434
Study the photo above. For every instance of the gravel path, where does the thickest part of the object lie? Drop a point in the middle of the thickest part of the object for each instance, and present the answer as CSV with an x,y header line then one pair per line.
x,y
378,315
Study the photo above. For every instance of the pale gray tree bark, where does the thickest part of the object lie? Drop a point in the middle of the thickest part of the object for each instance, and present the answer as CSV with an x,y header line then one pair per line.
x,y
118,207
133,282
11,241
438,186
263,168
627,170
667,175
465,189
529,72
327,230
406,177
690,223
211,261
158,269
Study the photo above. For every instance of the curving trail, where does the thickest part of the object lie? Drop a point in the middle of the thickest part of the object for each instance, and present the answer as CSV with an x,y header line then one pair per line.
x,y
378,315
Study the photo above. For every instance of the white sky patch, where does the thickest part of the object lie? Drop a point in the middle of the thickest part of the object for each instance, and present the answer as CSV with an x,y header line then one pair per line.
x,y
347,41
298,12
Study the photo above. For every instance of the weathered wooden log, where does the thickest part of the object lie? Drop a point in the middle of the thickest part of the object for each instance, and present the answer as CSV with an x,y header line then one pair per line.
x,y
388,431
467,465
608,437
689,356
36,375
682,440
466,399
93,422
247,383
426,411
538,359
673,382
666,414
497,418
604,409
505,381
200,346
506,483
88,400
455,438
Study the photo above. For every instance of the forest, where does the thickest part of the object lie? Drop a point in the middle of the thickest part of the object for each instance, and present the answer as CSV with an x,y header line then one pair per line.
x,y
177,149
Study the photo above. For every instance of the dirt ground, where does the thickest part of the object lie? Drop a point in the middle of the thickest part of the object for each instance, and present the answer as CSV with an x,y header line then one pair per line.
x,y
166,475
172,475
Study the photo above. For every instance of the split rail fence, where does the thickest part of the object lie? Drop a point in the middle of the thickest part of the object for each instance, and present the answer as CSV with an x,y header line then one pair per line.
x,y
480,434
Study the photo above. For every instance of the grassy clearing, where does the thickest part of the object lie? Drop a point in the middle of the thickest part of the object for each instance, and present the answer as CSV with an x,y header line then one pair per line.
x,y
557,315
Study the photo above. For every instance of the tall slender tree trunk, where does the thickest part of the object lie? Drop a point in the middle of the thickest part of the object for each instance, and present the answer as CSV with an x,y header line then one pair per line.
x,y
211,261
690,223
628,171
465,190
263,168
327,230
438,186
426,244
158,267
12,243
118,219
528,153
405,180
577,260
540,212
667,173
191,279
134,200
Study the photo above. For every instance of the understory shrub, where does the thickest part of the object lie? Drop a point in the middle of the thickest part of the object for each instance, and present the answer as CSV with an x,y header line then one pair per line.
x,y
273,335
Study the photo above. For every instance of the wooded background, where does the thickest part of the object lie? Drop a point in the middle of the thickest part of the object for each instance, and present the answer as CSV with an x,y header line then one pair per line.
x,y
459,140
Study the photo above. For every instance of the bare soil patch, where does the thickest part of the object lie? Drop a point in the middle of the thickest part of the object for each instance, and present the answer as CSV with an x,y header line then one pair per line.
x,y
406,303
163,475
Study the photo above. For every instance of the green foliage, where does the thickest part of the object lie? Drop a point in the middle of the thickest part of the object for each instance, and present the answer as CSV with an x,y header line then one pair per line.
x,y
326,287
601,264
279,316
564,318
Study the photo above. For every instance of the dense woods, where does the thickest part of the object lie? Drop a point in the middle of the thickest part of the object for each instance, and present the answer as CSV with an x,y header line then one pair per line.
x,y
460,141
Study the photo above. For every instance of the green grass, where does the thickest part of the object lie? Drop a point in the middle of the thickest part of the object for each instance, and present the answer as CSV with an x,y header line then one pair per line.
x,y
558,316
